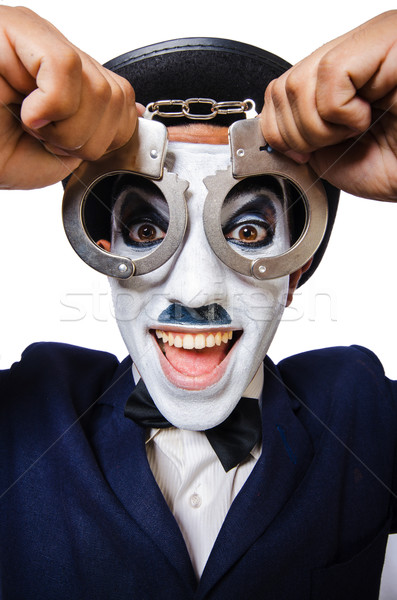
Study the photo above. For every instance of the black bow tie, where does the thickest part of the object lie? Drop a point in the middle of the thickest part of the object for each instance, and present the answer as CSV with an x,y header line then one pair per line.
x,y
232,440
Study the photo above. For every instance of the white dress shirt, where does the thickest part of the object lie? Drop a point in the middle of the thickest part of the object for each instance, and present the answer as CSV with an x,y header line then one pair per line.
x,y
194,484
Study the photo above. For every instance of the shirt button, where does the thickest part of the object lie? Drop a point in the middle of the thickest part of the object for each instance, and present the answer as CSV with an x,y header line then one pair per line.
x,y
195,501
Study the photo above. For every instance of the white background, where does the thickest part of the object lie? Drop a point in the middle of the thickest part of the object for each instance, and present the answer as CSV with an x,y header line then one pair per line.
x,y
48,294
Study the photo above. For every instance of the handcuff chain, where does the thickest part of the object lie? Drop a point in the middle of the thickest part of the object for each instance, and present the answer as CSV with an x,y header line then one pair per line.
x,y
228,107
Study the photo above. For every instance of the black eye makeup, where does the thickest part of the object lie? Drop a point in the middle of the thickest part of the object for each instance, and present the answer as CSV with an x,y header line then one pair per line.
x,y
143,218
249,213
250,229
249,223
144,232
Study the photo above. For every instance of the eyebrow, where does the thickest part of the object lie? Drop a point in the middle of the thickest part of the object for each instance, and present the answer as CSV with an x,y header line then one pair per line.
x,y
260,203
142,200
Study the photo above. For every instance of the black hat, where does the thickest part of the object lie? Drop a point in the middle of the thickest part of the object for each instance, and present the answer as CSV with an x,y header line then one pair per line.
x,y
223,70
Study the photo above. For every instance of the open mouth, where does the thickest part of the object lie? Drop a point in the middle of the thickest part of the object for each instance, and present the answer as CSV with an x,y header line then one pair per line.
x,y
195,360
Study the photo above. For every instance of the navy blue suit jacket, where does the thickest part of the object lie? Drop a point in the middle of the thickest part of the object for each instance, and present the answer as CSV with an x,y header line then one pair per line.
x,y
82,517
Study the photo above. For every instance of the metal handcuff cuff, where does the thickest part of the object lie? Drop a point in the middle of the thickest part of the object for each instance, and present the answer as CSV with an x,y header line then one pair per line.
x,y
144,156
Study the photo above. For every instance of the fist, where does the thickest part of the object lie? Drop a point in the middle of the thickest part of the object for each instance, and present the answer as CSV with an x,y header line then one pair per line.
x,y
58,105
337,109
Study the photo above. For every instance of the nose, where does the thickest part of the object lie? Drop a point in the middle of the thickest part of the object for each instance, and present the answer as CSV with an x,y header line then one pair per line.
x,y
198,276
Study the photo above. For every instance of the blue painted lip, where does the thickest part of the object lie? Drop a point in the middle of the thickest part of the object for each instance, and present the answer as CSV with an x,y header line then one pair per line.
x,y
212,314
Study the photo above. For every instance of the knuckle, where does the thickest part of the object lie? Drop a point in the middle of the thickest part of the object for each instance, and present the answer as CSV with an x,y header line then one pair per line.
x,y
293,140
293,85
328,105
24,9
91,152
69,61
272,135
326,62
268,94
102,89
330,112
122,136
70,145
20,10
123,95
62,106
278,96
306,141
117,98
276,87
64,136
331,82
128,91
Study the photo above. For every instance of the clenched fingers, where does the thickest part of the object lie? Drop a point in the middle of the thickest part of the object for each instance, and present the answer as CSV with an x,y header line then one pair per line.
x,y
327,98
56,101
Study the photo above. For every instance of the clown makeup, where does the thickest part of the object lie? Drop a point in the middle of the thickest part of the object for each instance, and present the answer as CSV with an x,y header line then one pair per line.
x,y
196,330
141,217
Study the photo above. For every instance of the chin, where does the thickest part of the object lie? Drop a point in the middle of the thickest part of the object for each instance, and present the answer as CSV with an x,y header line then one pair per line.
x,y
197,383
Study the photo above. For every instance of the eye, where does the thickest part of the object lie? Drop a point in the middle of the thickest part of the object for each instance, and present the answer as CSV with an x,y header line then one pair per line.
x,y
253,232
145,232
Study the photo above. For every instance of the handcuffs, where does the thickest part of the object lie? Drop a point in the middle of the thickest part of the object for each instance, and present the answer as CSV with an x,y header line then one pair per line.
x,y
144,156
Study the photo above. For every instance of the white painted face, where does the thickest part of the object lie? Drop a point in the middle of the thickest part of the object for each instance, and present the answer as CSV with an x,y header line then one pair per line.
x,y
197,363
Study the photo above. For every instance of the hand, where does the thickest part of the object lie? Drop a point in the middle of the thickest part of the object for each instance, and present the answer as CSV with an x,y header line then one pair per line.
x,y
337,109
58,106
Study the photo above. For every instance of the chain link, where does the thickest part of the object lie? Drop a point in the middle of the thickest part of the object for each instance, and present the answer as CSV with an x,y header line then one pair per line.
x,y
229,107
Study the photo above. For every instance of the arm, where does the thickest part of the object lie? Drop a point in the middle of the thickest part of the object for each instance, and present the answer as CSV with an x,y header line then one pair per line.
x,y
57,105
338,109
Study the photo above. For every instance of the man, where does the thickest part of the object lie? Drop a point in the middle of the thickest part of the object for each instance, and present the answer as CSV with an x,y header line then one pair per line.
x,y
272,556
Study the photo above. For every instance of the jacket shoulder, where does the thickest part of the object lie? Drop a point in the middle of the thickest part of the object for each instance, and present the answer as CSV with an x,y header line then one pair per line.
x,y
341,384
55,369
336,365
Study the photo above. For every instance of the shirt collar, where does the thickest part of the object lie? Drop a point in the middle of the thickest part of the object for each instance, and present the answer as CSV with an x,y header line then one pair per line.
x,y
253,390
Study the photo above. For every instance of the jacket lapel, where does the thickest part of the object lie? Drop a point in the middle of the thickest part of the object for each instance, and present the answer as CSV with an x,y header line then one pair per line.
x,y
286,455
120,447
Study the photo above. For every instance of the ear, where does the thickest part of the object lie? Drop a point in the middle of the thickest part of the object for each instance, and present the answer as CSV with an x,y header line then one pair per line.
x,y
294,280
104,244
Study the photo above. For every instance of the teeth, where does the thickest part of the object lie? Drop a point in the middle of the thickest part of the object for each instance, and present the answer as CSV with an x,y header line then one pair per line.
x,y
197,341
188,342
210,341
178,341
